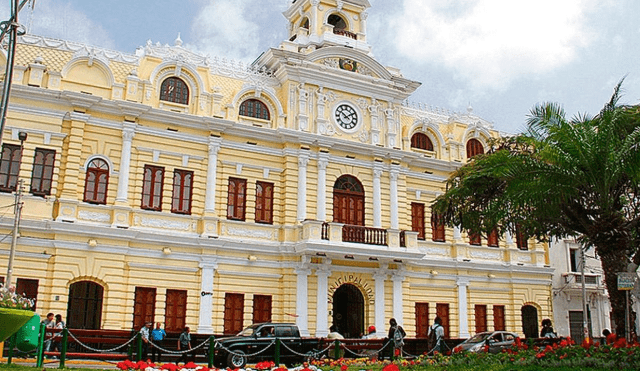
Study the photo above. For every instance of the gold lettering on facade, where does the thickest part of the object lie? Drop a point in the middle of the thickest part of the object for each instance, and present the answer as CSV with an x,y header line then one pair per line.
x,y
358,281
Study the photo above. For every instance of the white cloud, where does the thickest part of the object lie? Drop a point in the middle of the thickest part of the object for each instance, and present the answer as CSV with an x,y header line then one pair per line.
x,y
492,43
59,19
230,28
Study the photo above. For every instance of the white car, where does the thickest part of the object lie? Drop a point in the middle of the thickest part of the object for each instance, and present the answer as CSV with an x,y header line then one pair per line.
x,y
495,340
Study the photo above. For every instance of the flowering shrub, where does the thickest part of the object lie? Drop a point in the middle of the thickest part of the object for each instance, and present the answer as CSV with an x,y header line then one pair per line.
x,y
9,299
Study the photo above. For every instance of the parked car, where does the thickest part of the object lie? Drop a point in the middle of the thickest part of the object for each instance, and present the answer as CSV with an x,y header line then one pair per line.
x,y
256,343
495,340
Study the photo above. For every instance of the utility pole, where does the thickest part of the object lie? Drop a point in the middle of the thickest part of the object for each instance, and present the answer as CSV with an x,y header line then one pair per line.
x,y
585,318
14,237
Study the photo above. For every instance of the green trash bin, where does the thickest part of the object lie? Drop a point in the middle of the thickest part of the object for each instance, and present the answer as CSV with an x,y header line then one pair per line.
x,y
27,336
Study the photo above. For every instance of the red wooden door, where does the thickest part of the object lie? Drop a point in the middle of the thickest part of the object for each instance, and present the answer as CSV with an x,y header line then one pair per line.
x,y
233,313
176,310
144,307
442,311
261,308
28,288
422,320
481,318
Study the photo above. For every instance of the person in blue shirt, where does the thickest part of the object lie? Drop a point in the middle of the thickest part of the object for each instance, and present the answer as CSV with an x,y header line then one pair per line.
x,y
157,338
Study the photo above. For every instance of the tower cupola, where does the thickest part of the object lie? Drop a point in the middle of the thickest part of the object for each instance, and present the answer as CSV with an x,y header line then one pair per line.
x,y
318,23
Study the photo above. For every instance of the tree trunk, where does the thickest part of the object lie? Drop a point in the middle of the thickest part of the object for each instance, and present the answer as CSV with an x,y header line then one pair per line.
x,y
614,260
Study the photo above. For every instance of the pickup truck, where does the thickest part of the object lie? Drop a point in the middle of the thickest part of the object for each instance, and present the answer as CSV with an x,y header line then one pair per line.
x,y
256,343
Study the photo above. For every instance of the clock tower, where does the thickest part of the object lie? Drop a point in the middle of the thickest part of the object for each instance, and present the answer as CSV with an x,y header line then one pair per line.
x,y
318,23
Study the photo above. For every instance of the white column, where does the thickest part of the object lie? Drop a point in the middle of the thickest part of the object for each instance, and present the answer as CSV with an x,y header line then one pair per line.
x,y
397,297
303,161
393,176
128,132
206,297
377,203
379,278
302,300
463,319
457,237
321,213
212,168
322,311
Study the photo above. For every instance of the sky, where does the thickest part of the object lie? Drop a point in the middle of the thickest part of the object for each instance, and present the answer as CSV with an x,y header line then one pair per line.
x,y
501,57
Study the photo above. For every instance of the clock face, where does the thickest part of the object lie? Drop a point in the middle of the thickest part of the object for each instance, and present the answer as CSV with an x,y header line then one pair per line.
x,y
346,116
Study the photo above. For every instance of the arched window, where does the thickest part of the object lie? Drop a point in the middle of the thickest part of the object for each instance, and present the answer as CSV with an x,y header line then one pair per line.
x,y
337,22
254,108
474,147
96,182
348,201
174,90
421,141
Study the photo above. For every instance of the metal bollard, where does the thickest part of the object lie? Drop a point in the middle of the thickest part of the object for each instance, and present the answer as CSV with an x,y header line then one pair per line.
x,y
40,352
212,350
12,345
138,347
63,351
336,349
277,355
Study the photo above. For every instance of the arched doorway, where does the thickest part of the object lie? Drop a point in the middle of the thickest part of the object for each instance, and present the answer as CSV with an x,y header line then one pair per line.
x,y
529,321
348,311
85,305
348,201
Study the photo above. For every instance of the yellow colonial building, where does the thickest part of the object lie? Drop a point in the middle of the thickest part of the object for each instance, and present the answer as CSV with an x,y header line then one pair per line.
x,y
168,186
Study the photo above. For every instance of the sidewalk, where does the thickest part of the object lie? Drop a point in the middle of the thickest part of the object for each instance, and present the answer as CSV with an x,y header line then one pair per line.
x,y
69,363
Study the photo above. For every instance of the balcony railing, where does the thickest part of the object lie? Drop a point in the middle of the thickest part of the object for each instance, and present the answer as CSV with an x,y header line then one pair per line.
x,y
403,240
574,277
325,231
343,32
365,235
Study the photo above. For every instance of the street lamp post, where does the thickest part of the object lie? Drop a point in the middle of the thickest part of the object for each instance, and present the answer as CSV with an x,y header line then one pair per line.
x,y
18,211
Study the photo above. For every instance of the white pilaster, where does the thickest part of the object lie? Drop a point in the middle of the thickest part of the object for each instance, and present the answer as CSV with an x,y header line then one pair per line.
x,y
393,176
379,278
128,132
377,203
463,318
206,297
321,213
322,311
397,279
303,161
302,299
212,168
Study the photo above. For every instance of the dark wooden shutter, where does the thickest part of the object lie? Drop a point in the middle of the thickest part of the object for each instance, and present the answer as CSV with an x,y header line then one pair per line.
x,y
481,318
417,219
498,318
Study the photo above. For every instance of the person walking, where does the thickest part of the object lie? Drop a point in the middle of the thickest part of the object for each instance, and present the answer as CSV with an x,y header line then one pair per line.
x,y
396,334
436,336
184,344
157,338
144,333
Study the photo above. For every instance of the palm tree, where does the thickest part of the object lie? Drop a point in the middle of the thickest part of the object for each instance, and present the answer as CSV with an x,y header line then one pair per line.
x,y
577,177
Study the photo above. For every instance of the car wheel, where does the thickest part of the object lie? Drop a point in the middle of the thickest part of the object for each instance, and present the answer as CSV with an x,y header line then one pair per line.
x,y
237,359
